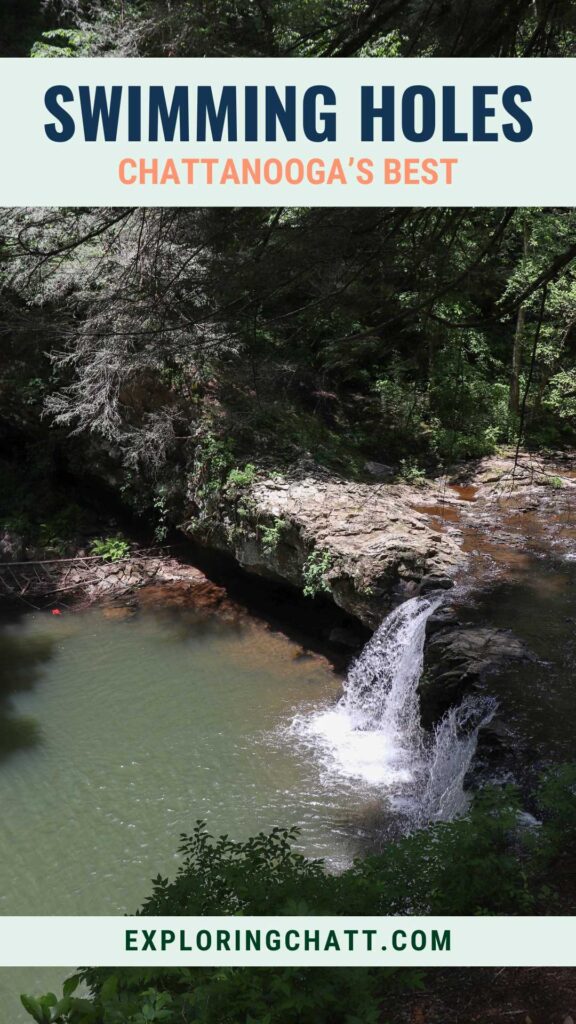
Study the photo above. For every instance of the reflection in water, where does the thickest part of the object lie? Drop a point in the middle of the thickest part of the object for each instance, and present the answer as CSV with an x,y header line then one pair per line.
x,y
21,664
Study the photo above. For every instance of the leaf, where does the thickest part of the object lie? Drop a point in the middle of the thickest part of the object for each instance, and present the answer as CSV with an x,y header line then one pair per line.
x,y
62,1007
86,1007
109,988
71,984
34,1008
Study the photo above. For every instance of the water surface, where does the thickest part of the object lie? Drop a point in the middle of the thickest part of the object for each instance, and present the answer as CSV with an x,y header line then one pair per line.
x,y
119,731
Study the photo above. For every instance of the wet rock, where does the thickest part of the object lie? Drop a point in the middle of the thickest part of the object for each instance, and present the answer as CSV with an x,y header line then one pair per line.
x,y
497,749
442,618
504,474
433,582
117,613
90,580
202,596
457,659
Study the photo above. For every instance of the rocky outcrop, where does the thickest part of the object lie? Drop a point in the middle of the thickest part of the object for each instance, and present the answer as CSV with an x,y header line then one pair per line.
x,y
90,578
362,544
458,657
504,475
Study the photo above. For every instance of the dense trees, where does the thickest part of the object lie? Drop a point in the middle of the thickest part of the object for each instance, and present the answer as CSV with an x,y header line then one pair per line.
x,y
348,334
327,28
392,334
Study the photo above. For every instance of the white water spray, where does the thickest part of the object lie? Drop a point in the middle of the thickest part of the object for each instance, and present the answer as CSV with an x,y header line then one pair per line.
x,y
450,756
374,735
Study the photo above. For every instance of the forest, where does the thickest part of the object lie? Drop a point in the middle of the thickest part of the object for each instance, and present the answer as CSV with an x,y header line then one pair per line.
x,y
200,372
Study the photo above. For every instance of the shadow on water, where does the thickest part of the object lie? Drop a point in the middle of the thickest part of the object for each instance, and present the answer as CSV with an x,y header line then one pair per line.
x,y
21,665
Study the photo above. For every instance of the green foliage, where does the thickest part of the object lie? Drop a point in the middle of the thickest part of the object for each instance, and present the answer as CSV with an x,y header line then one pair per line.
x,y
404,403
213,460
241,478
561,395
485,863
62,42
49,1009
160,503
411,358
111,549
37,511
56,532
272,535
557,803
201,340
469,403
314,570
411,472
555,482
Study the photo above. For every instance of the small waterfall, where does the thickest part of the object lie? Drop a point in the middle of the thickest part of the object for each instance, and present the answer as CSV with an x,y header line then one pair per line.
x,y
451,752
381,690
374,733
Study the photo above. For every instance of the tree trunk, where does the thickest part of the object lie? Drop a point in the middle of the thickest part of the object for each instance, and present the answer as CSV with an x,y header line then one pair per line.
x,y
514,394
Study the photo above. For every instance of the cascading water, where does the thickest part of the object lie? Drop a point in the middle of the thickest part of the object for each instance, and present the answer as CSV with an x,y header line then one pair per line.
x,y
374,735
450,756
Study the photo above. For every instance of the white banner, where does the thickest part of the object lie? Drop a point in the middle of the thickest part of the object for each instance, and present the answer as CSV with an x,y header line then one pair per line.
x,y
287,132
288,941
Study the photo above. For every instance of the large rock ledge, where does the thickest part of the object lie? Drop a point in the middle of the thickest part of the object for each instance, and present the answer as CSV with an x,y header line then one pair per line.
x,y
362,544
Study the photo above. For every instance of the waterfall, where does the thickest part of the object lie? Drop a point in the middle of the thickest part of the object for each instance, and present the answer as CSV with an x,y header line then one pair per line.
x,y
374,735
450,756
381,690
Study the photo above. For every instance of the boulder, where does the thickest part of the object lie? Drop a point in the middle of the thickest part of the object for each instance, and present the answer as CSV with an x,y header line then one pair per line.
x,y
379,470
457,659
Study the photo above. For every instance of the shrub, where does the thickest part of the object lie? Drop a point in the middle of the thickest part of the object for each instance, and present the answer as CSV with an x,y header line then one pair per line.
x,y
240,478
411,472
111,549
484,863
271,535
556,482
318,563
213,461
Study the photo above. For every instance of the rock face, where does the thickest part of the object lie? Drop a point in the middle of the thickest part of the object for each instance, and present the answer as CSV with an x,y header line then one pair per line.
x,y
457,658
362,544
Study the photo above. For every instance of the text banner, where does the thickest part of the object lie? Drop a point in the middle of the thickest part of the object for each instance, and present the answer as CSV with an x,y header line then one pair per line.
x,y
287,132
288,941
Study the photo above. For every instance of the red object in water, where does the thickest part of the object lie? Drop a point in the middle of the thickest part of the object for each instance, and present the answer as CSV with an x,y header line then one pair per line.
x,y
56,611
